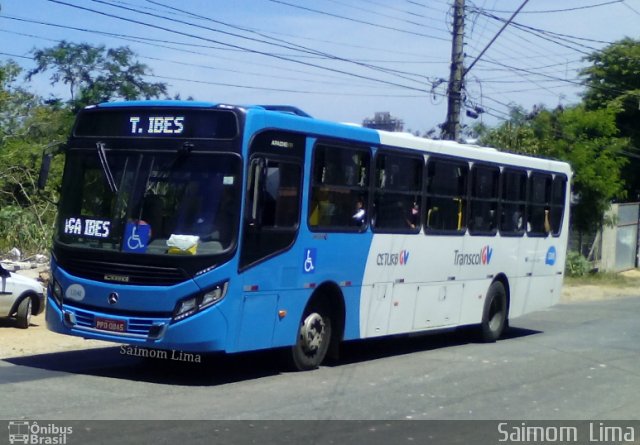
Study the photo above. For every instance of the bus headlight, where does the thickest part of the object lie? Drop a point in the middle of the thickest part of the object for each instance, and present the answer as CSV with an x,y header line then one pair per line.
x,y
56,291
214,295
191,305
185,308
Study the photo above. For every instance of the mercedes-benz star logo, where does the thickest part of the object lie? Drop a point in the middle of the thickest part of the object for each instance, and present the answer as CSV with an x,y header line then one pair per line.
x,y
113,298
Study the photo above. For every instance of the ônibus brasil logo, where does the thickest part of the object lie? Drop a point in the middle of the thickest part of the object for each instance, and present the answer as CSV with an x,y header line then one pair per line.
x,y
473,259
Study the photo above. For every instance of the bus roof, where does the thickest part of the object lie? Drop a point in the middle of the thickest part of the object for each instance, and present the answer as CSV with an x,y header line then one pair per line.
x,y
475,152
302,122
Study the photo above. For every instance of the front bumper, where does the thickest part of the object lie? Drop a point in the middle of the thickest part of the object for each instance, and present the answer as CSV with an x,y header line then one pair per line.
x,y
203,332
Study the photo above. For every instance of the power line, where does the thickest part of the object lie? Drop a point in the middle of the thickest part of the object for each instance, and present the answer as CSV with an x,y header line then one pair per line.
x,y
141,40
495,37
533,48
262,32
561,10
279,90
403,11
547,35
295,47
250,87
253,51
629,7
573,82
364,22
15,55
401,74
388,16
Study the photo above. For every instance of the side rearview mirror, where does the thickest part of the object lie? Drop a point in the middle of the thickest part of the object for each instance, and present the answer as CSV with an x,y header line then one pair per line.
x,y
44,170
48,153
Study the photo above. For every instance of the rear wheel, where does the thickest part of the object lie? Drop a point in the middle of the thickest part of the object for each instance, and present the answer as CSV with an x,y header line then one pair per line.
x,y
494,318
23,317
312,342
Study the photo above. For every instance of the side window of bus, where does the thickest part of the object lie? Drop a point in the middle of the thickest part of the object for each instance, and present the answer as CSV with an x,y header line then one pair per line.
x,y
538,205
513,198
558,190
446,195
397,193
483,212
272,208
339,188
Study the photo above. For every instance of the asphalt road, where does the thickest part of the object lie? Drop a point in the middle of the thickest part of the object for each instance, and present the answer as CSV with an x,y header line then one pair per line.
x,y
575,361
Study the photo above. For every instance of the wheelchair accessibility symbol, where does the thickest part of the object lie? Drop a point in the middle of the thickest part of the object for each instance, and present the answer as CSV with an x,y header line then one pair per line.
x,y
309,262
136,237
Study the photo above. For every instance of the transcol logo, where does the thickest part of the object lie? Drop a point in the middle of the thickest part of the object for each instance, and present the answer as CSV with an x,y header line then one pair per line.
x,y
486,253
473,259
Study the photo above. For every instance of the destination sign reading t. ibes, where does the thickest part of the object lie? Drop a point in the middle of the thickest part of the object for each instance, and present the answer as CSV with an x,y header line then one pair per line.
x,y
157,122
154,125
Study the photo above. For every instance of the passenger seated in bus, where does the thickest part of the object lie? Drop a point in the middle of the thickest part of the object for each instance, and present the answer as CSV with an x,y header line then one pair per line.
x,y
359,217
323,210
413,218
547,224
518,221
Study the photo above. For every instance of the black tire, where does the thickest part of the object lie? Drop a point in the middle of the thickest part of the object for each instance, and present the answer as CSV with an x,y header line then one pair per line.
x,y
313,339
23,317
494,317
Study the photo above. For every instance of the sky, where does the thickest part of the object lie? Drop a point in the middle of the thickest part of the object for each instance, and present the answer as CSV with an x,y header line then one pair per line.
x,y
339,60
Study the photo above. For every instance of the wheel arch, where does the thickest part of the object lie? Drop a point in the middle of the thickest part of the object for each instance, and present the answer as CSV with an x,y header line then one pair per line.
x,y
502,278
35,302
330,296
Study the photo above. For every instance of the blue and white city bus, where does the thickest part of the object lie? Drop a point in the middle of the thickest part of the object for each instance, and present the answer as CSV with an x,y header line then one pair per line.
x,y
203,227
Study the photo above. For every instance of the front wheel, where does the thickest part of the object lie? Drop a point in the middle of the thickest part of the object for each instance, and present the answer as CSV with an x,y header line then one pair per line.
x,y
23,317
494,318
312,343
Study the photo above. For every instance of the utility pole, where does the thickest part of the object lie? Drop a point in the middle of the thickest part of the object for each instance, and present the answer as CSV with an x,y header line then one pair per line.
x,y
454,91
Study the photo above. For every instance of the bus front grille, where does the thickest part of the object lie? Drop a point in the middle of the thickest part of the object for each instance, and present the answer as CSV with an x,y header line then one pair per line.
x,y
135,326
135,274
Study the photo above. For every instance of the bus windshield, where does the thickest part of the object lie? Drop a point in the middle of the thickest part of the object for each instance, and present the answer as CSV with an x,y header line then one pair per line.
x,y
154,203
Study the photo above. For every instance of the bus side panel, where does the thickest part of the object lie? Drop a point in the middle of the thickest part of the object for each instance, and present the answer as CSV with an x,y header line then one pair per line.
x,y
339,260
257,322
544,290
270,317
410,284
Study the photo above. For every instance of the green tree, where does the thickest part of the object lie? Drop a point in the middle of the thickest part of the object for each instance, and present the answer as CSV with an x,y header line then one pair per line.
x,y
588,140
515,135
613,81
95,74
27,125
15,102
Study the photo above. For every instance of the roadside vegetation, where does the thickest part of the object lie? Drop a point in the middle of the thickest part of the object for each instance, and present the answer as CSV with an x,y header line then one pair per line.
x,y
611,279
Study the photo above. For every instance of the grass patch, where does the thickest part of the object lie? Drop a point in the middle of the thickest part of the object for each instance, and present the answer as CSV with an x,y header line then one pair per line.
x,y
603,279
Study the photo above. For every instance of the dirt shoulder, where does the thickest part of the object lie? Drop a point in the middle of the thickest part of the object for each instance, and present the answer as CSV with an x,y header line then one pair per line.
x,y
37,339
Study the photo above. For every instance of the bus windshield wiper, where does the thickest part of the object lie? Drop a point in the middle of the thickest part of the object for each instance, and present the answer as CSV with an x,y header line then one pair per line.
x,y
105,167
